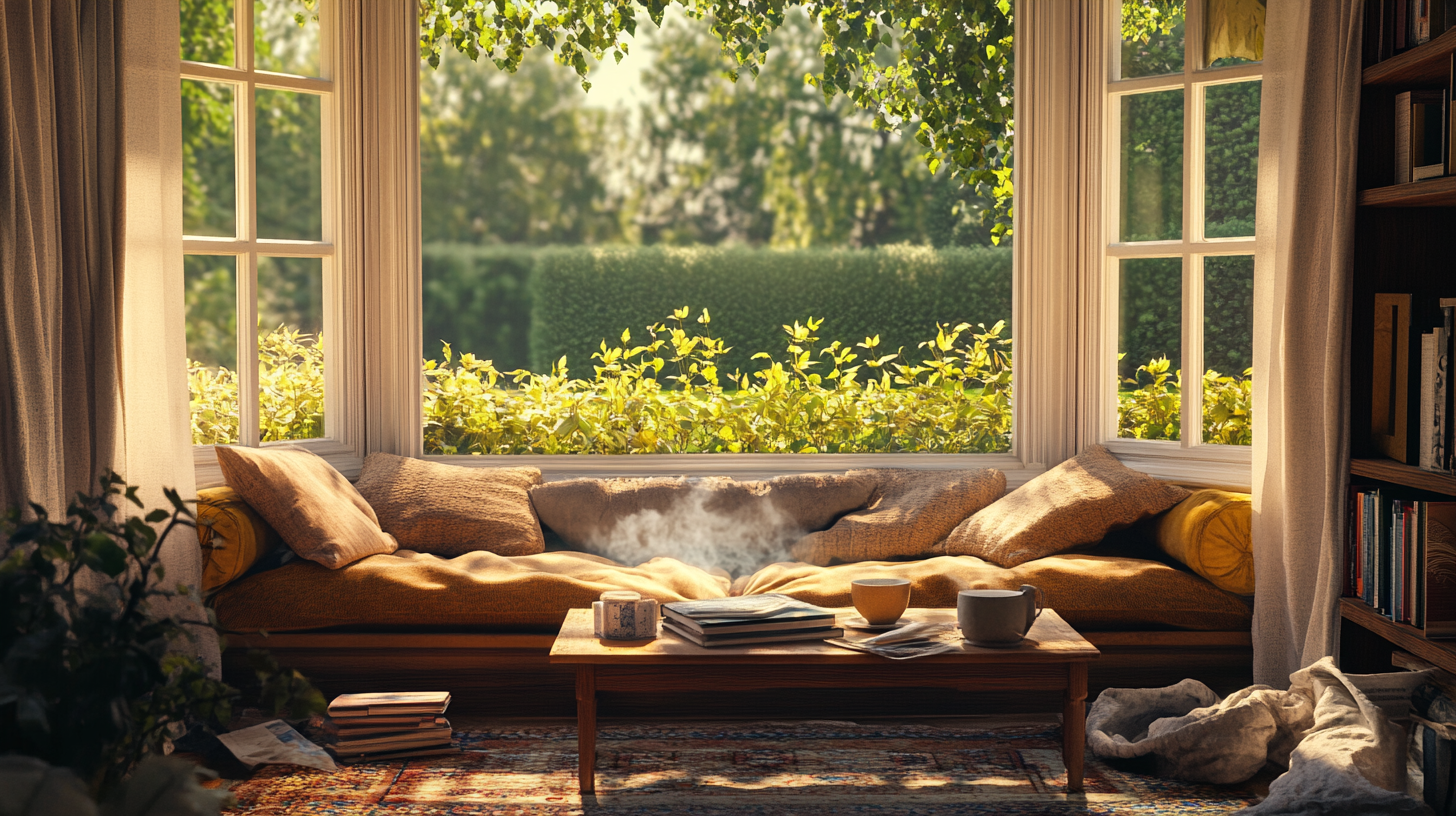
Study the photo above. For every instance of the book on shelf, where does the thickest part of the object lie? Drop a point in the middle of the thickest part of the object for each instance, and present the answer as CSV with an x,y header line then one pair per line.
x,y
1420,135
750,638
1401,557
390,703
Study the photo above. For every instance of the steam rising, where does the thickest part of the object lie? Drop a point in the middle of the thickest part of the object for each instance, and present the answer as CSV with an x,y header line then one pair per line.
x,y
739,540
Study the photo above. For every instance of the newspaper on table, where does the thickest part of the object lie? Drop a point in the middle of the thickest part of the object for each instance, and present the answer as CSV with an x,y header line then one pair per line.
x,y
745,606
920,639
276,743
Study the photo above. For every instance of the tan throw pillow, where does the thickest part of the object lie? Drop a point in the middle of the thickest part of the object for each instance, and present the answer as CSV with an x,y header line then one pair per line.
x,y
312,506
1073,504
708,522
448,510
910,511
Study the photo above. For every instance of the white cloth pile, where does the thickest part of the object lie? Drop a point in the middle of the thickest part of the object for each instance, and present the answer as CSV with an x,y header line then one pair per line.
x,y
1339,736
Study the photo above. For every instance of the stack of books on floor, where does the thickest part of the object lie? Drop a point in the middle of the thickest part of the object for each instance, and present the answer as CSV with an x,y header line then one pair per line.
x,y
389,725
747,620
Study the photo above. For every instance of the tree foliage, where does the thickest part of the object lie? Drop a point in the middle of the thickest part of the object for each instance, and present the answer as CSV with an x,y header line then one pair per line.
x,y
950,78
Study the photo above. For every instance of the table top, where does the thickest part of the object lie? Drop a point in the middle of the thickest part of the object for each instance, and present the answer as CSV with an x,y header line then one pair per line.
x,y
1051,640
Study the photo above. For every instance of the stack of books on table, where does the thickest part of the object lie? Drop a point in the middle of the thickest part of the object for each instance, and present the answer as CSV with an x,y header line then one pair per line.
x,y
389,725
747,620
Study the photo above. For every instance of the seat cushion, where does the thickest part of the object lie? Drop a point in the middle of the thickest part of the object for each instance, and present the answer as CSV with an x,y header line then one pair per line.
x,y
1091,592
1074,504
709,521
1211,532
478,591
910,511
449,510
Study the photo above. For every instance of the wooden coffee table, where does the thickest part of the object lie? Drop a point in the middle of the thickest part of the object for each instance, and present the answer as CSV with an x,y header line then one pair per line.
x,y
1052,658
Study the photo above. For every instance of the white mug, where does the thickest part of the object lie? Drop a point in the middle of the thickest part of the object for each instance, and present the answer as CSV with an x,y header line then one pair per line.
x,y
625,615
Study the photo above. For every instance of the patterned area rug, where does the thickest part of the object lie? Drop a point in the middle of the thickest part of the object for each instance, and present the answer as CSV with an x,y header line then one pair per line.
x,y
803,768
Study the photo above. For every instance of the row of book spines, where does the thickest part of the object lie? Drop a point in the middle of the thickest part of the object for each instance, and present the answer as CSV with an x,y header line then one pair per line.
x,y
1385,555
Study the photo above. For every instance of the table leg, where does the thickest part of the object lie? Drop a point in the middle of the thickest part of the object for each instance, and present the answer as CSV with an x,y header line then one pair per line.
x,y
1074,725
586,727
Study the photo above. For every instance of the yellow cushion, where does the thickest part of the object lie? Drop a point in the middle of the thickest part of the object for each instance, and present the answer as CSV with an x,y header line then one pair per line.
x,y
1209,531
1091,592
478,591
232,534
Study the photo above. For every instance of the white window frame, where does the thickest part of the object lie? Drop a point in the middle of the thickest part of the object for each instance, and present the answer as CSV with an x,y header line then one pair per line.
x,y
1021,463
1189,459
343,442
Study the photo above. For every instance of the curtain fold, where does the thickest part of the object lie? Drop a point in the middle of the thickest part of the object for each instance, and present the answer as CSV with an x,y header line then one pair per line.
x,y
92,320
1305,226
59,247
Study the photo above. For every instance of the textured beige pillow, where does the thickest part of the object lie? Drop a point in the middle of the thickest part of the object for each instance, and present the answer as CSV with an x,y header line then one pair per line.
x,y
312,506
588,513
447,510
1073,504
910,511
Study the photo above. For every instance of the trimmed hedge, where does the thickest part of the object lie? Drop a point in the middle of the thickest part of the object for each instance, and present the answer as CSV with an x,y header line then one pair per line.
x,y
582,296
498,303
477,298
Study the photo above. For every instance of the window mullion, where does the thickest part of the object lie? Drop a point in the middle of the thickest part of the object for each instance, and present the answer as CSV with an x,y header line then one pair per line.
x,y
1192,362
248,393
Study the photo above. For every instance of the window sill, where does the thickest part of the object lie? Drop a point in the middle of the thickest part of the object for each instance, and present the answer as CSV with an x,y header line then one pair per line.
x,y
1222,466
742,465
343,457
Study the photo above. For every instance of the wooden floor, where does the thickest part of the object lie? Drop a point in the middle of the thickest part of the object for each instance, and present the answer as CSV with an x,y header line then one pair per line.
x,y
511,676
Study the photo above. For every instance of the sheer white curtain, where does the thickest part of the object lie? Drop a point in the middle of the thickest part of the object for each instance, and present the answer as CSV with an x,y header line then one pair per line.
x,y
1305,224
154,448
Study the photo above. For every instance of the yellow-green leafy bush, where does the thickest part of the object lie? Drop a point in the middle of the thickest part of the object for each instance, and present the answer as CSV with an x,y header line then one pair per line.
x,y
667,394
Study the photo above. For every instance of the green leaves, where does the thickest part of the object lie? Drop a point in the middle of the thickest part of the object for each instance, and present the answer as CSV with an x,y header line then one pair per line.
x,y
92,674
953,73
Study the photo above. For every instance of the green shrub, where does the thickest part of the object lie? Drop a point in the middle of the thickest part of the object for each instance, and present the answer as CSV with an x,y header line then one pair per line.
x,y
582,296
667,392
670,395
478,298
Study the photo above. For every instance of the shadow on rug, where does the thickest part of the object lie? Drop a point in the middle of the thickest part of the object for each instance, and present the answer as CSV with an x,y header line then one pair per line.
x,y
802,768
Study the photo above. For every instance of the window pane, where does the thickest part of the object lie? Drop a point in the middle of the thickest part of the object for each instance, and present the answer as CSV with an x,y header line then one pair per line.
x,y
1152,167
1152,38
290,166
1150,347
290,348
1228,349
1231,159
285,37
207,31
1234,32
209,169
212,346
561,225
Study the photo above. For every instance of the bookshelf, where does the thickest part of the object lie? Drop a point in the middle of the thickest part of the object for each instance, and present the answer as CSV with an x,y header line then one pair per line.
x,y
1405,241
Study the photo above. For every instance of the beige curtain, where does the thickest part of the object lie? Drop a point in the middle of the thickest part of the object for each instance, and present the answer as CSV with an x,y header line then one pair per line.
x,y
60,247
92,332
1305,225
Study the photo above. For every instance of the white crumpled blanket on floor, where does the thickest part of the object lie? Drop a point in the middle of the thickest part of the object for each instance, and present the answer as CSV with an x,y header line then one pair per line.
x,y
1344,754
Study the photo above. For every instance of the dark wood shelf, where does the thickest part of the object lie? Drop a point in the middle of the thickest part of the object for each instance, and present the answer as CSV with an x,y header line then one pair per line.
x,y
1436,652
1436,192
1426,64
1389,470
